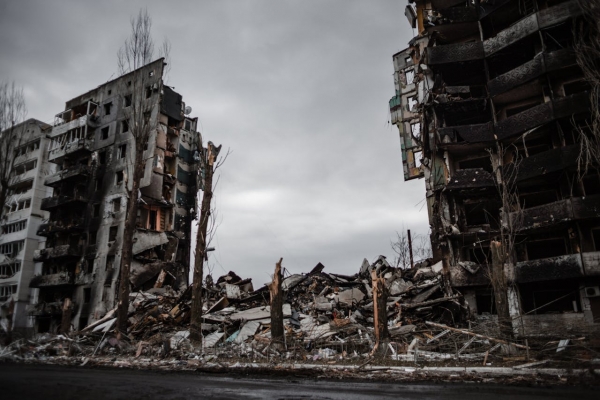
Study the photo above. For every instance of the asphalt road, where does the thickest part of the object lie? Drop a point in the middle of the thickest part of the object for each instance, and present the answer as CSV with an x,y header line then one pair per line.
x,y
53,382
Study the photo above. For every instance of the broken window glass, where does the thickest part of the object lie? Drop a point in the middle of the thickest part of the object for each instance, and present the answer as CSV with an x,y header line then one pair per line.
x,y
412,103
415,130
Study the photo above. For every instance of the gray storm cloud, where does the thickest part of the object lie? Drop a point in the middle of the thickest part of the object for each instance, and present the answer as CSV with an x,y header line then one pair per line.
x,y
297,90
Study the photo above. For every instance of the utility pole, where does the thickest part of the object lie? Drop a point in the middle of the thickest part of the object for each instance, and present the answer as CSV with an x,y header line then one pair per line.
x,y
410,251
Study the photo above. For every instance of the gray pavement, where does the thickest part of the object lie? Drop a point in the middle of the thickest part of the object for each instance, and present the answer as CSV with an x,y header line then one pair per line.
x,y
18,381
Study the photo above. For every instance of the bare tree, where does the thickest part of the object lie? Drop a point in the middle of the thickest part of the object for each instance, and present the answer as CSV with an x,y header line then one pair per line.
x,y
587,50
12,112
401,250
506,161
140,114
421,247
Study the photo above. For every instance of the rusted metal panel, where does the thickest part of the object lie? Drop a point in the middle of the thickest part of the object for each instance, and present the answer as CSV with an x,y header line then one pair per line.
x,y
457,52
547,269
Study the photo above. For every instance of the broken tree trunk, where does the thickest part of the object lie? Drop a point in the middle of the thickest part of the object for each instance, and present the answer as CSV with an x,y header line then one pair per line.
x,y
201,243
277,332
161,279
128,232
500,290
65,325
379,313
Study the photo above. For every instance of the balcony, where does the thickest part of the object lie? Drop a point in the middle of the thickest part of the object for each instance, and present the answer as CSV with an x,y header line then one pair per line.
x,y
57,252
59,279
61,226
549,269
74,172
50,203
456,52
547,162
472,178
26,176
544,215
530,25
469,51
80,116
31,155
541,64
47,309
70,149
576,208
516,124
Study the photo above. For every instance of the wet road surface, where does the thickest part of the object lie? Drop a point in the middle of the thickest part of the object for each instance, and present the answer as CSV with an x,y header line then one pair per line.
x,y
54,382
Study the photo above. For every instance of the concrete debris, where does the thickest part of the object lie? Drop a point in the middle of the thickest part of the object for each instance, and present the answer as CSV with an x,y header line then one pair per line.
x,y
327,318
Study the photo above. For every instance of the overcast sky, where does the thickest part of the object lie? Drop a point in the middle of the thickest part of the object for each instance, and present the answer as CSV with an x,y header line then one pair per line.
x,y
297,90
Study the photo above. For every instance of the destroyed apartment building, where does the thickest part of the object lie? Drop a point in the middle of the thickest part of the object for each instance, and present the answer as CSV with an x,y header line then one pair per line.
x,y
20,218
491,104
93,148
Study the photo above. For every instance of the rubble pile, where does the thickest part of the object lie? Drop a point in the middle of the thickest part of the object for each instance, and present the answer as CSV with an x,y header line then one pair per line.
x,y
327,317
325,314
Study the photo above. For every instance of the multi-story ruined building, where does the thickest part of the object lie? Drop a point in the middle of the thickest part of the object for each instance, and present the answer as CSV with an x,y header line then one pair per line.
x,y
491,105
20,218
94,149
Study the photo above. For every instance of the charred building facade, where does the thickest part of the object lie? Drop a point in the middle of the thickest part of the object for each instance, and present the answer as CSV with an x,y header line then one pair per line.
x,y
21,215
491,105
94,150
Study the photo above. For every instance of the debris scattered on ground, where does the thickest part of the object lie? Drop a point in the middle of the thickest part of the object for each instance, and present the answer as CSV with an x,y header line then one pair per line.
x,y
328,319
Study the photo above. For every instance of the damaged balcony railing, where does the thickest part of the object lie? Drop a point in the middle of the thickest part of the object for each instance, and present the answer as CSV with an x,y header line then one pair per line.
x,y
49,203
61,226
